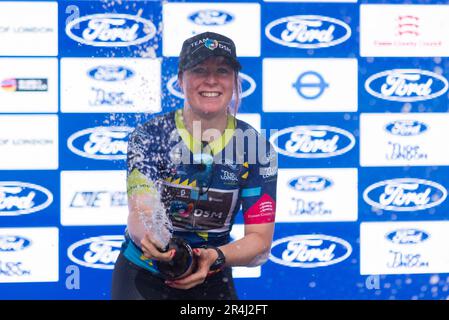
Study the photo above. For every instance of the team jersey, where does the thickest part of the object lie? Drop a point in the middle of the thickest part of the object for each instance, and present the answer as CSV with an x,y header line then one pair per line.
x,y
202,185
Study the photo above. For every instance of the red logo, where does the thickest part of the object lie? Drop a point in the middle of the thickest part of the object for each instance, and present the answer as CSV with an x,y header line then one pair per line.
x,y
408,25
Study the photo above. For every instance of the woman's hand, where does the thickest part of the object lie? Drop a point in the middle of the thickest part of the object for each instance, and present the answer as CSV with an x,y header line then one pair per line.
x,y
151,251
205,258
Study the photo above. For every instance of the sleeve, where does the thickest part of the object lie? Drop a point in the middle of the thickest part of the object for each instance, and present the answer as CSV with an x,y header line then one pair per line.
x,y
259,193
142,170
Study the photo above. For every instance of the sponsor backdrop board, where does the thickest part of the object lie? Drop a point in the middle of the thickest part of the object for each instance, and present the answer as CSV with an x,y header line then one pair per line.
x,y
356,109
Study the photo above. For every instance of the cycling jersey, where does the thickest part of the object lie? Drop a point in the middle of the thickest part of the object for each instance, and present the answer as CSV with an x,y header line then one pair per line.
x,y
203,185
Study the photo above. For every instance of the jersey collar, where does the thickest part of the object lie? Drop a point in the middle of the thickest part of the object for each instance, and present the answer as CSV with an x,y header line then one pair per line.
x,y
195,145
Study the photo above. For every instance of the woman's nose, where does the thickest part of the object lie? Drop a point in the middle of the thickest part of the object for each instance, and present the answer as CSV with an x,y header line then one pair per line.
x,y
211,78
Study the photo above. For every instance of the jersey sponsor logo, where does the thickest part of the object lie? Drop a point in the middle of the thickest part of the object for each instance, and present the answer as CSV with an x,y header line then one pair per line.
x,y
405,194
101,143
312,141
25,84
406,128
248,86
263,211
267,172
96,252
406,85
210,17
228,176
407,236
308,31
19,198
180,208
310,251
11,243
110,73
111,30
310,183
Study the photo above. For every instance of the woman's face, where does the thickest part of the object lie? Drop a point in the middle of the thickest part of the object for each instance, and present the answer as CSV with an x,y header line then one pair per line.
x,y
208,86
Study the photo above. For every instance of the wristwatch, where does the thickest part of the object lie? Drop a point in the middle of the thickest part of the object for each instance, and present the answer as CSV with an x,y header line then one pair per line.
x,y
221,259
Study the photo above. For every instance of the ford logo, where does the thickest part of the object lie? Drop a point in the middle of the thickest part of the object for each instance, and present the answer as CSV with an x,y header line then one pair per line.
x,y
211,18
13,243
405,194
110,73
406,127
110,30
308,31
310,251
310,183
18,198
97,252
407,236
312,141
248,86
100,143
406,85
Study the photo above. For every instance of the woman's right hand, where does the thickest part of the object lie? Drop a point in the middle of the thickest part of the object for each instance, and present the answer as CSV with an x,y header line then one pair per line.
x,y
151,251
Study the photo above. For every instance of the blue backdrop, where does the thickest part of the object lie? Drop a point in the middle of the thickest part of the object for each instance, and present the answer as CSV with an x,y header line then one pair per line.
x,y
353,94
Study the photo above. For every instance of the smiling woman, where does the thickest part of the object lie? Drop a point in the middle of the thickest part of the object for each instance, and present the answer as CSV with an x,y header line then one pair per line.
x,y
196,166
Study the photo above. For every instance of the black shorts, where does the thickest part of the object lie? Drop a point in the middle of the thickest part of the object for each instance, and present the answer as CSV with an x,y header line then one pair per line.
x,y
131,282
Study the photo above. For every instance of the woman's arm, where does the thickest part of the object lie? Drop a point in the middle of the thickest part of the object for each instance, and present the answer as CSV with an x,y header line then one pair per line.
x,y
140,204
253,249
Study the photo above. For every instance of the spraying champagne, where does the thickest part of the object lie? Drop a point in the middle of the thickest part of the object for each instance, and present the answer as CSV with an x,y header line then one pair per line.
x,y
159,225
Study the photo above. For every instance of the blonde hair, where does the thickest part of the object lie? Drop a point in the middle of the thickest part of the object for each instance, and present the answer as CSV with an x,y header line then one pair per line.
x,y
236,95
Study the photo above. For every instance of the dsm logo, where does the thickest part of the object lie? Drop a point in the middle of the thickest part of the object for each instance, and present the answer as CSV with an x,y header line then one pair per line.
x,y
308,31
13,243
310,251
405,194
19,198
96,252
310,183
110,73
211,17
407,236
110,30
406,85
406,128
100,143
312,141
248,86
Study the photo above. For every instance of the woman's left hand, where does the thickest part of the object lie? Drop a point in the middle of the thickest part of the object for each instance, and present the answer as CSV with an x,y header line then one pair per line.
x,y
205,258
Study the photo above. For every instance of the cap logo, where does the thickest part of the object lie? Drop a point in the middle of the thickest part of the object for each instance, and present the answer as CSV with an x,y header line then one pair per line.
x,y
211,44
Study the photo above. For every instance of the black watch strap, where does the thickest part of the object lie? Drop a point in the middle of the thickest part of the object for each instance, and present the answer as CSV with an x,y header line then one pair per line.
x,y
221,259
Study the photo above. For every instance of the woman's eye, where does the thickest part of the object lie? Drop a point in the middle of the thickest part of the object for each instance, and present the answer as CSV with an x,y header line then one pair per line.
x,y
223,70
199,70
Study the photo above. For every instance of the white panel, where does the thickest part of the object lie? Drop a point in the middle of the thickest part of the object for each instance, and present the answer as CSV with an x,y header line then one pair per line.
x,y
404,247
405,31
110,85
316,195
29,28
28,85
93,198
238,21
29,255
310,85
28,142
412,139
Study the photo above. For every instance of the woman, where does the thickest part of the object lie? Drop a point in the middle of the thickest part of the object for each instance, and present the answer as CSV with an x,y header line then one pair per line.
x,y
202,165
